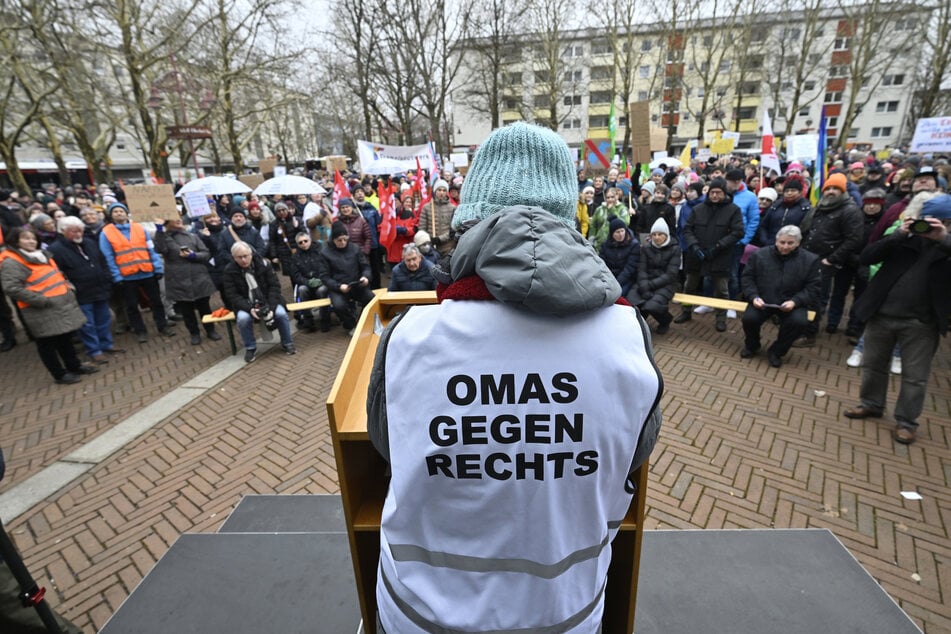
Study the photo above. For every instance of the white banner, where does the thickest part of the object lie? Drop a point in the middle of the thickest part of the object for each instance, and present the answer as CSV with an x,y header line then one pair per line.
x,y
802,147
406,154
932,135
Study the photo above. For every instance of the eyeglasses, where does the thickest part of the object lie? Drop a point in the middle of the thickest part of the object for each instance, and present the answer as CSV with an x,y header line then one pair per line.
x,y
303,241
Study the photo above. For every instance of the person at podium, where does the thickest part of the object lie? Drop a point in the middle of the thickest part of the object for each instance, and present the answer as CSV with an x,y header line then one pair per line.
x,y
511,445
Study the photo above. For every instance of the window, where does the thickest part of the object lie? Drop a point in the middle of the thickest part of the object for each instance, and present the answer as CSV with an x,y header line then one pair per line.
x,y
785,86
704,67
814,58
622,122
685,116
754,61
841,44
509,121
725,65
893,80
602,72
792,33
601,49
759,34
833,97
906,24
700,92
642,95
542,76
513,79
707,41
820,31
809,86
853,133
654,118
600,96
569,124
511,103
881,132
832,122
542,101
646,45
574,50
838,71
671,82
644,72
572,76
886,106
750,88
747,112
803,112
721,92
598,121
691,66
573,100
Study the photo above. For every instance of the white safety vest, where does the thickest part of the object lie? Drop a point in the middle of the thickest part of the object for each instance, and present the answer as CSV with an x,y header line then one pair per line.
x,y
511,436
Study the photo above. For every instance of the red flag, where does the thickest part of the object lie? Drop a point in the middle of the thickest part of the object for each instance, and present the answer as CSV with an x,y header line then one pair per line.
x,y
388,212
420,185
340,191
627,172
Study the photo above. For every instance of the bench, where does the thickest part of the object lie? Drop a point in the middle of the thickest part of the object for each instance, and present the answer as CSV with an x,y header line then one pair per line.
x,y
229,319
720,304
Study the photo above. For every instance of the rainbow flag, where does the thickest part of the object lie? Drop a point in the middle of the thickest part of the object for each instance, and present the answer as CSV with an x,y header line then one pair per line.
x,y
822,169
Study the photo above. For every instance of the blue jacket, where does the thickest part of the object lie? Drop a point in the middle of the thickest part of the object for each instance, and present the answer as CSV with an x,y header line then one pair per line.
x,y
749,206
685,211
373,218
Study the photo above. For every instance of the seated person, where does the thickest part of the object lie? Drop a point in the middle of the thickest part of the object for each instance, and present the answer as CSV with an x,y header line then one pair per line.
x,y
253,291
413,273
622,253
781,280
345,270
305,275
657,276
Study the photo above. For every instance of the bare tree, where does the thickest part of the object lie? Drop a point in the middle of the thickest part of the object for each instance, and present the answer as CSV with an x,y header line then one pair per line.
x,y
553,19
357,29
933,70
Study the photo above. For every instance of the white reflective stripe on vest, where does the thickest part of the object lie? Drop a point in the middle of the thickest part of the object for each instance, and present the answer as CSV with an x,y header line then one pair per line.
x,y
511,436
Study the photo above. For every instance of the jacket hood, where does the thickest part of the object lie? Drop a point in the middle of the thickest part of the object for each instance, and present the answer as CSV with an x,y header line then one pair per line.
x,y
531,260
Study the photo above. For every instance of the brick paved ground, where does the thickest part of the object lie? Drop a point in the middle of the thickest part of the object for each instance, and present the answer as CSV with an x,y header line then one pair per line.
x,y
744,446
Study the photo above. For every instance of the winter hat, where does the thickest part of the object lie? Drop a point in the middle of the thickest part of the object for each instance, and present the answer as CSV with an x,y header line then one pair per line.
x,y
768,193
736,175
615,224
938,207
795,166
237,199
876,196
858,165
927,170
4,195
875,168
836,180
717,183
649,186
234,210
421,238
660,226
520,164
657,172
794,182
344,202
109,199
338,229
440,184
114,205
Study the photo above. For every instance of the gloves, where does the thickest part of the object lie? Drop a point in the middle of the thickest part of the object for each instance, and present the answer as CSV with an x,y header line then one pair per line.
x,y
697,252
712,253
191,255
314,282
436,241
401,231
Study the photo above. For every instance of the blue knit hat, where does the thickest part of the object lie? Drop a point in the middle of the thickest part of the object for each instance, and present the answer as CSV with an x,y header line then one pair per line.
x,y
520,164
937,207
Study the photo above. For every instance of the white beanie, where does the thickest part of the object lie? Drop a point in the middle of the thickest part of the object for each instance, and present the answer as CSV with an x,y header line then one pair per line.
x,y
768,192
660,226
440,183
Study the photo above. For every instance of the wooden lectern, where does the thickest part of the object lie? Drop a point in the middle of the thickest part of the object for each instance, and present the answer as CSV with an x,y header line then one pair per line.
x,y
363,484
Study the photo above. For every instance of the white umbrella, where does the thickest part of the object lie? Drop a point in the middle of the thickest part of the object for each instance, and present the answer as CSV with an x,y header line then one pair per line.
x,y
214,186
288,185
669,161
385,166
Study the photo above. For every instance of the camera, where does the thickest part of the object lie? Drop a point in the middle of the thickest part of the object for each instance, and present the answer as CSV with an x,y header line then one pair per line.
x,y
920,226
266,315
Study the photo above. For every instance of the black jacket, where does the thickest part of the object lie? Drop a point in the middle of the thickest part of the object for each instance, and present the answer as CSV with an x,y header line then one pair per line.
x,y
86,269
305,265
775,278
835,232
898,253
715,228
623,259
647,216
236,291
777,217
343,266
402,279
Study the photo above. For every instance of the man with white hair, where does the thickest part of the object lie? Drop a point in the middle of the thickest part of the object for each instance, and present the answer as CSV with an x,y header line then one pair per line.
x,y
782,281
83,264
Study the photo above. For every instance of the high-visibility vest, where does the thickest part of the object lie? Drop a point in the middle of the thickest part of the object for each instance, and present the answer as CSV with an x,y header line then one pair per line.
x,y
132,255
509,461
45,278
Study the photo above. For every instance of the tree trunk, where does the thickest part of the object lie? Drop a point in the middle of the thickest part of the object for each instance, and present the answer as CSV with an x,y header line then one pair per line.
x,y
56,149
13,170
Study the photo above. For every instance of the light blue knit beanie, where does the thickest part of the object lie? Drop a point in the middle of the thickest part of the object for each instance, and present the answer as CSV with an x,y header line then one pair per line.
x,y
520,164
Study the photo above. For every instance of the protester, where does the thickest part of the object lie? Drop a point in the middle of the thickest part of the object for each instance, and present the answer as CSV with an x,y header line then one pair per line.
x,y
305,274
657,276
414,273
346,272
622,253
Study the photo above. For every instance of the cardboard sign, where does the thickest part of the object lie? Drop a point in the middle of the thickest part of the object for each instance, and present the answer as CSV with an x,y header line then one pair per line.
x,y
147,202
251,180
640,125
336,162
266,166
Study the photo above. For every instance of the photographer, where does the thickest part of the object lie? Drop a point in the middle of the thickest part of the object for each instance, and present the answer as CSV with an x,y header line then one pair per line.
x,y
15,618
252,290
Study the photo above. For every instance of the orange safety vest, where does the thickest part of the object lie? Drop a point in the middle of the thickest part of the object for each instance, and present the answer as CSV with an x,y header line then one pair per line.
x,y
132,256
45,279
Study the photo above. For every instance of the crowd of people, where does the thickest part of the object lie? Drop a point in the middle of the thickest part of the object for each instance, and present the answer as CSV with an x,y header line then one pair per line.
x,y
75,260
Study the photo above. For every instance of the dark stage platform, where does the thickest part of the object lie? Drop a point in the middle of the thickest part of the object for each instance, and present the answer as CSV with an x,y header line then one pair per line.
x,y
282,564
